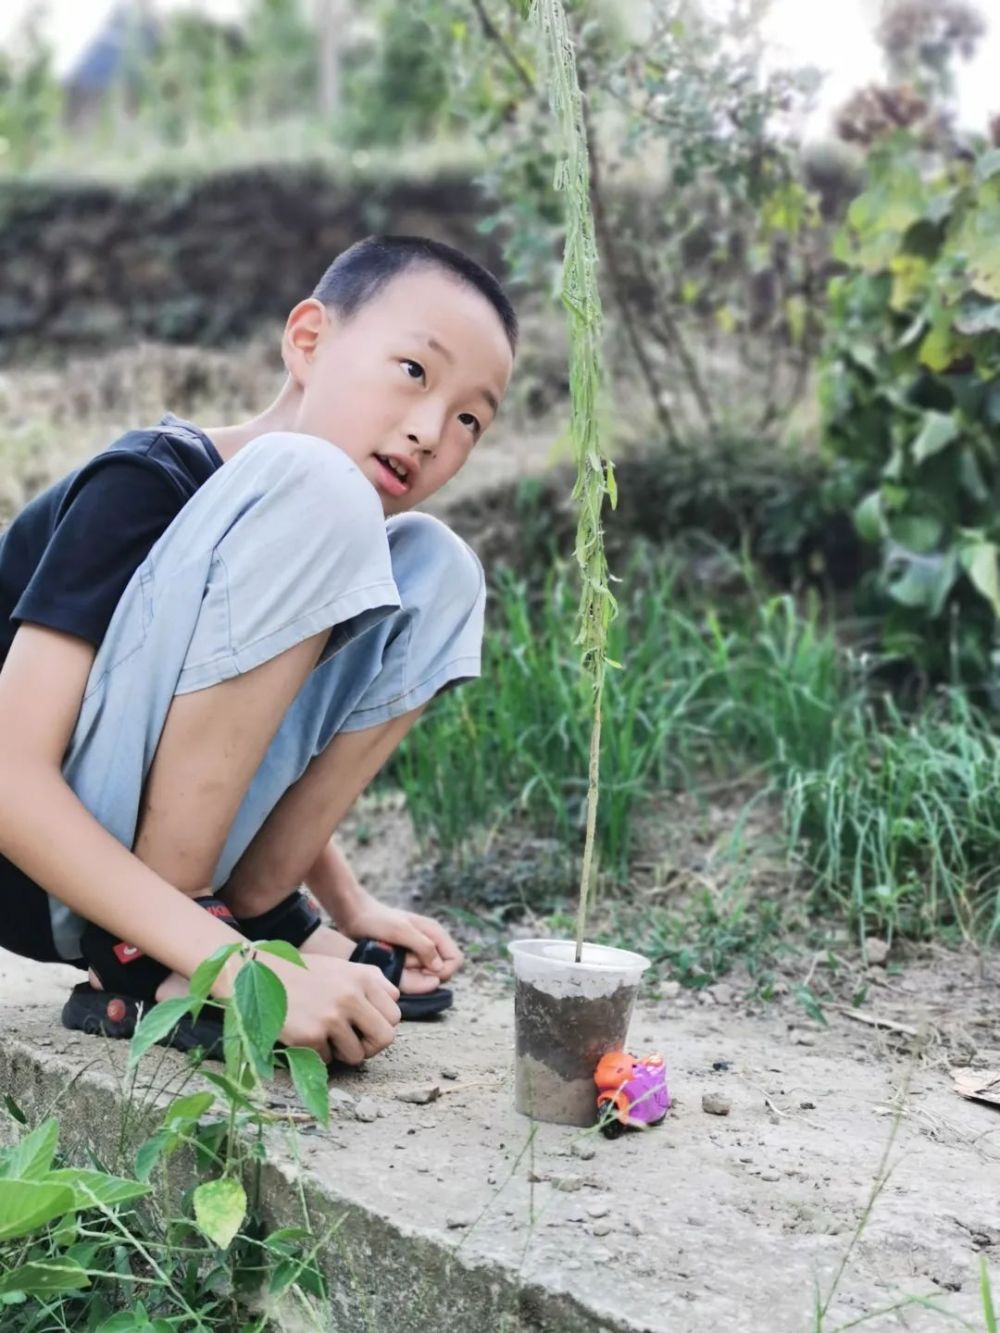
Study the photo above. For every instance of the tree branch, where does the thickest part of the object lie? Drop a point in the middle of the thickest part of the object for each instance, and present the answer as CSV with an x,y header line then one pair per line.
x,y
510,55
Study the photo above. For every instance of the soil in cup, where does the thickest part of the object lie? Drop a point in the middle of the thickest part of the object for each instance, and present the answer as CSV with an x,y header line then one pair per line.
x,y
559,1042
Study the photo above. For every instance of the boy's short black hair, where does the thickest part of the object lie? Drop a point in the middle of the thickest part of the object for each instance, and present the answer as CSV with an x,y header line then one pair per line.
x,y
366,267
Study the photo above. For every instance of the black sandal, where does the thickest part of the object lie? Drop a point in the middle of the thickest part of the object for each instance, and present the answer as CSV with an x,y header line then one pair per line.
x,y
130,979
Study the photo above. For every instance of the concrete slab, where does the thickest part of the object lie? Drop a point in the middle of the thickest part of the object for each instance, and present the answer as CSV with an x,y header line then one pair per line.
x,y
456,1214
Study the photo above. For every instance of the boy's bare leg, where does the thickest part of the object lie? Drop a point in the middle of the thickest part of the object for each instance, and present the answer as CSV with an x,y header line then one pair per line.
x,y
212,744
298,828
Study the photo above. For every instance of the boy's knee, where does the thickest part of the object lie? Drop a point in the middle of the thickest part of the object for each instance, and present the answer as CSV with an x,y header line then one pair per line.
x,y
427,555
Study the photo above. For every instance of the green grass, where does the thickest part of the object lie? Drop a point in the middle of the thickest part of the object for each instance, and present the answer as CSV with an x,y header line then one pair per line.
x,y
901,826
893,816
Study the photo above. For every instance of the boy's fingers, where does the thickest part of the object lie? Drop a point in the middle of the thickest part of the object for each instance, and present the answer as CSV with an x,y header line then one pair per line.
x,y
376,1034
383,999
375,981
445,945
448,951
422,946
346,1044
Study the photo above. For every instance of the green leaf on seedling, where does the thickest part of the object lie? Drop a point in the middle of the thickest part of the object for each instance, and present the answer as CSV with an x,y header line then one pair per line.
x,y
281,949
93,1188
135,1321
185,1111
32,1157
262,1005
278,1242
27,1205
938,431
311,1079
285,1273
232,1090
219,1209
206,974
41,1277
233,1041
155,1024
149,1153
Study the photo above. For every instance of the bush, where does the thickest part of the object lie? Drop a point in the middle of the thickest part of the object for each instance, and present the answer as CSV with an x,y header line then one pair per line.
x,y
911,399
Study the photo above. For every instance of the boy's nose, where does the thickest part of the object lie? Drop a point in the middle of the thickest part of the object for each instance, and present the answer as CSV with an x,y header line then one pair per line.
x,y
425,445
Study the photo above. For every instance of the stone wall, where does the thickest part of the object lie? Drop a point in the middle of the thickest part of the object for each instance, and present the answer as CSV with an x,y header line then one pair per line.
x,y
204,261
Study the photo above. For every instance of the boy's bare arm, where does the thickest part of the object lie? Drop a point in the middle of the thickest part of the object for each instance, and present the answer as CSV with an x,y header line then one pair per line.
x,y
46,830
49,833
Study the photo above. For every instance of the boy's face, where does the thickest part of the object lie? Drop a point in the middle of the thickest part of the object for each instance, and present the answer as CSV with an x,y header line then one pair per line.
x,y
408,384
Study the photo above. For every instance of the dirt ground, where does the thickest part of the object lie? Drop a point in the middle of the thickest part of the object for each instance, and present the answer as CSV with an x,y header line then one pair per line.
x,y
709,1221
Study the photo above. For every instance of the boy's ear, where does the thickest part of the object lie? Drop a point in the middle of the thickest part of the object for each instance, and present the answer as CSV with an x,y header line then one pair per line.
x,y
304,328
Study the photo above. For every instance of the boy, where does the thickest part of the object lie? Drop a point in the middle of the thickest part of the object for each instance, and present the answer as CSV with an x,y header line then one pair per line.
x,y
213,640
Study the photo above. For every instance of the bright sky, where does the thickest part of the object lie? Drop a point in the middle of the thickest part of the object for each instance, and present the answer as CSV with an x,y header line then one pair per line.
x,y
833,35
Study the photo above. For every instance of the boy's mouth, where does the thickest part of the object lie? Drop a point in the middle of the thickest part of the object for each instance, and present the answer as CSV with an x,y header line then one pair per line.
x,y
394,475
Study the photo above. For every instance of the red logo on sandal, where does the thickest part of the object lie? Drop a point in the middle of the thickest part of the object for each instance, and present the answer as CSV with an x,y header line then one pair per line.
x,y
127,953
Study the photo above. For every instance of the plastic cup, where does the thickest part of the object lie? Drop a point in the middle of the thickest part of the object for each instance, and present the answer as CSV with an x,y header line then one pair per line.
x,y
566,1016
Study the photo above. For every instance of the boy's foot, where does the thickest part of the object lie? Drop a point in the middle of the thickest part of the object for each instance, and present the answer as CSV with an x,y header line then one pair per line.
x,y
414,980
421,993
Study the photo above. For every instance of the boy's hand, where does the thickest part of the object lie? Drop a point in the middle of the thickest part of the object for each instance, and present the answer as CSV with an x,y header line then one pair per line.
x,y
337,1008
430,946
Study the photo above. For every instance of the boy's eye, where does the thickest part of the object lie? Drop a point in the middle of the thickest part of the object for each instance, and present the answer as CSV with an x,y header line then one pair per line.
x,y
467,419
413,368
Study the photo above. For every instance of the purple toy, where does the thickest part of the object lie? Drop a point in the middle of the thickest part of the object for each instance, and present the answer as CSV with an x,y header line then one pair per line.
x,y
632,1094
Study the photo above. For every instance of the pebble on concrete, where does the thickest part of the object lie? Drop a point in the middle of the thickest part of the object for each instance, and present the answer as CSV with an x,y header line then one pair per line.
x,y
567,1183
419,1096
584,1149
713,1103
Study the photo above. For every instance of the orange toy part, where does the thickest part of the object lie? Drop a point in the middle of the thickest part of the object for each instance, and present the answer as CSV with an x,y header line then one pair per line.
x,y
613,1070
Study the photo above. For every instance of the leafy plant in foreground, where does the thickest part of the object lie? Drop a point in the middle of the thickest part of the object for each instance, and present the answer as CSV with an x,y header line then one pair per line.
x,y
79,1244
